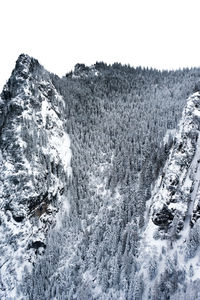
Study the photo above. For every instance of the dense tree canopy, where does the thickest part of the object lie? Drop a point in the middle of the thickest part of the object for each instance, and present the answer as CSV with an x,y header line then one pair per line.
x,y
120,121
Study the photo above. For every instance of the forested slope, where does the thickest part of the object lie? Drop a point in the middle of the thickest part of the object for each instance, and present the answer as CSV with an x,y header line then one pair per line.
x,y
117,118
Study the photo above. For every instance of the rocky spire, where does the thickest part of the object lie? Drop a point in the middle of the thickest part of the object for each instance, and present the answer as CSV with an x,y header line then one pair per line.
x,y
34,167
26,68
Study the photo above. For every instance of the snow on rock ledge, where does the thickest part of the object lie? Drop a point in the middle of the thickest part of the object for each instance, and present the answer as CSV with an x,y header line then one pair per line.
x,y
169,246
179,174
34,168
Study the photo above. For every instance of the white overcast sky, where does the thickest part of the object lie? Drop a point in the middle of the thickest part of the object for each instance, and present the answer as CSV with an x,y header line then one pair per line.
x,y
60,33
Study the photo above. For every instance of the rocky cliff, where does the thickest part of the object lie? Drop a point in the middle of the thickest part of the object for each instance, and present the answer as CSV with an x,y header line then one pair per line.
x,y
34,168
170,245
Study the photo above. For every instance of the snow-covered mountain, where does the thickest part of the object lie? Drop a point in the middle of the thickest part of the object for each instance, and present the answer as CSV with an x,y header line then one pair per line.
x,y
34,168
99,183
170,260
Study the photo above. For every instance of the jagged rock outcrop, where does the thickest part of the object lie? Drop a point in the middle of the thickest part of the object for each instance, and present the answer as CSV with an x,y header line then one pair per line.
x,y
34,168
179,183
171,238
83,71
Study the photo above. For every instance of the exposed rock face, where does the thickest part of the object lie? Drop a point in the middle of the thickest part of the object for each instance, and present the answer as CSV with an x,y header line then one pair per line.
x,y
34,167
82,71
171,236
178,186
163,217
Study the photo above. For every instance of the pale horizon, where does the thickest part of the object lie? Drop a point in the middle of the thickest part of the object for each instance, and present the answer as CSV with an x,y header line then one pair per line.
x,y
60,34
